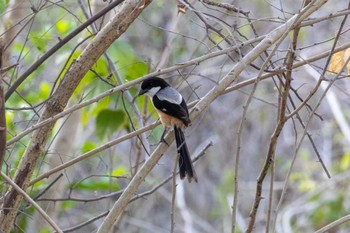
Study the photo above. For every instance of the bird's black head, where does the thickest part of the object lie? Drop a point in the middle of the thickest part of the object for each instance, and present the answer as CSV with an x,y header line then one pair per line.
x,y
153,83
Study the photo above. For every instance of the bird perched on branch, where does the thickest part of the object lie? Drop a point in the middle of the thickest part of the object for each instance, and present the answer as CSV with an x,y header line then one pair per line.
x,y
172,110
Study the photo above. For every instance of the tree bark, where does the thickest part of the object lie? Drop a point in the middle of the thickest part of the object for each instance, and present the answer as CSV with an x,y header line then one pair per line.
x,y
126,13
63,145
205,101
2,116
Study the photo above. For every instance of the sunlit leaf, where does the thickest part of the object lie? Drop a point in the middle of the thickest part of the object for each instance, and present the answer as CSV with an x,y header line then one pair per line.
x,y
345,162
346,57
19,49
120,171
88,146
9,118
216,38
39,39
45,89
307,185
45,230
346,54
337,62
62,26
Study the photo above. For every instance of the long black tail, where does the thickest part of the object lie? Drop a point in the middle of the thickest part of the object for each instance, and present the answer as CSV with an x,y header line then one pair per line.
x,y
185,163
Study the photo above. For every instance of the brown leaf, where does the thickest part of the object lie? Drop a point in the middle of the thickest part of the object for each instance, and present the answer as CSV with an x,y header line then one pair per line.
x,y
345,58
337,62
181,8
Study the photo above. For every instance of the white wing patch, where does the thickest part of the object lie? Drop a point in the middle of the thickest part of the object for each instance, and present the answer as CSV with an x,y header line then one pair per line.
x,y
169,94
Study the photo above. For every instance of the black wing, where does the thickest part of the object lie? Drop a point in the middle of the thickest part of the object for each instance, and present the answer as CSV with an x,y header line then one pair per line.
x,y
175,110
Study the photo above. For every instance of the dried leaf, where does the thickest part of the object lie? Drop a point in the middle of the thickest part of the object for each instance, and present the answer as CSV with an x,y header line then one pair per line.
x,y
337,62
346,54
345,58
181,8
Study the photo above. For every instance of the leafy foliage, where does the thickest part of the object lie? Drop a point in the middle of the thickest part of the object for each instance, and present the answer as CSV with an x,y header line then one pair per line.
x,y
108,121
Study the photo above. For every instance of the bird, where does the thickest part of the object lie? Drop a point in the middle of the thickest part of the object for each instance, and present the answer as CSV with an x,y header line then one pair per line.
x,y
173,112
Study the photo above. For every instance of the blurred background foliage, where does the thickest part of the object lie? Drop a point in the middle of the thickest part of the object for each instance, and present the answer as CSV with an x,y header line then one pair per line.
x,y
160,38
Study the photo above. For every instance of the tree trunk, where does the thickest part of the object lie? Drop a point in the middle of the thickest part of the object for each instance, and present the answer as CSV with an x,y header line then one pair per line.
x,y
62,147
126,13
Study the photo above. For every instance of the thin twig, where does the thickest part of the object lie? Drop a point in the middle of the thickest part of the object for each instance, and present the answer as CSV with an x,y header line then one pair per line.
x,y
92,152
332,51
7,68
239,135
31,201
195,61
226,6
170,69
86,222
62,42
137,196
173,197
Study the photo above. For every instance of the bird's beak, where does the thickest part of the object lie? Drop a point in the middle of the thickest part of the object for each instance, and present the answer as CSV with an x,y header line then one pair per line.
x,y
141,92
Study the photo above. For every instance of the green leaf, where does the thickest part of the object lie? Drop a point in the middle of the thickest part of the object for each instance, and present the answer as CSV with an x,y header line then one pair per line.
x,y
108,121
345,162
67,205
135,70
3,5
41,38
156,135
45,230
103,183
63,27
44,90
119,171
88,146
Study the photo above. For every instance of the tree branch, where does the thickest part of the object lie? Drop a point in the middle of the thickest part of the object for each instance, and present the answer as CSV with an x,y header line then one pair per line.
x,y
201,106
31,201
125,15
61,43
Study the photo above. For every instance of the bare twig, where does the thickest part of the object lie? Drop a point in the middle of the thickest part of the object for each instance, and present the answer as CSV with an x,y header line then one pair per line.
x,y
31,201
128,85
93,152
274,36
295,20
239,134
86,222
2,122
226,6
332,51
125,15
62,42
7,68
136,197
173,197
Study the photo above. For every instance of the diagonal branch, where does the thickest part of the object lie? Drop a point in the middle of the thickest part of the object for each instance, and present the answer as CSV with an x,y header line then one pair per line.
x,y
61,43
281,120
126,13
31,201
271,38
